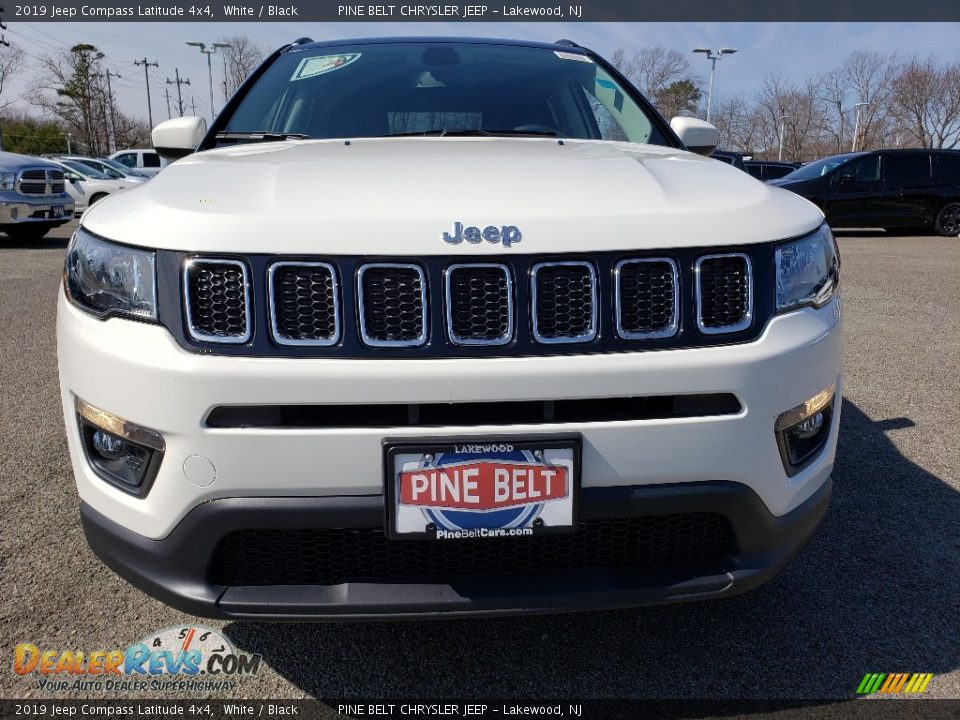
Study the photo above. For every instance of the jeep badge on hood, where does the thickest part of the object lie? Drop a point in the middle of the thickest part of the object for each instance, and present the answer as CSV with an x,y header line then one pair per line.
x,y
506,234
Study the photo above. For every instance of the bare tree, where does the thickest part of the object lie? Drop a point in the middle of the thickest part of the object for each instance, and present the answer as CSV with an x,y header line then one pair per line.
x,y
239,60
927,101
870,78
653,69
11,60
71,88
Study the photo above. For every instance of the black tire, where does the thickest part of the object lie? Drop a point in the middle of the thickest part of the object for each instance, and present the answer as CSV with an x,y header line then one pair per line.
x,y
948,220
98,196
26,233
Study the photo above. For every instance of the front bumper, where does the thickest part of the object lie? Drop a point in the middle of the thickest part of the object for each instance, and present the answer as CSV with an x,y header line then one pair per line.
x,y
38,211
178,568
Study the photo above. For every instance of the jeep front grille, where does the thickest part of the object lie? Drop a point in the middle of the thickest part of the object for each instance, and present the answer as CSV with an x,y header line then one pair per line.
x,y
217,300
393,305
564,302
647,295
40,181
724,293
479,304
437,306
304,303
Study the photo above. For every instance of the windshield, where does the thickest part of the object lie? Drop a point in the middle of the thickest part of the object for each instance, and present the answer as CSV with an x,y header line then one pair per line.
x,y
121,168
86,170
442,88
820,168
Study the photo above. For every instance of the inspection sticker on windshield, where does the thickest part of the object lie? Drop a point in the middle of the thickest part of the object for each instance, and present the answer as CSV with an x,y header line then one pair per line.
x,y
313,66
572,56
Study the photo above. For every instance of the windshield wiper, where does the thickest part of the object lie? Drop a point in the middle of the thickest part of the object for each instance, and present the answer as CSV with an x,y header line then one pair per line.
x,y
443,132
261,136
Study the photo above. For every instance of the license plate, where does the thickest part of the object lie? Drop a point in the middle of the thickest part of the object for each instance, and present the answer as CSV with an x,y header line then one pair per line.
x,y
56,212
482,488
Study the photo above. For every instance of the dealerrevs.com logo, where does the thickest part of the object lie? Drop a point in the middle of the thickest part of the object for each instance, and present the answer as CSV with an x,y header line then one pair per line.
x,y
177,659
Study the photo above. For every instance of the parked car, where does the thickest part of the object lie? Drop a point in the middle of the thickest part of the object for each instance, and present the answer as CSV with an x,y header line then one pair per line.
x,y
33,197
422,328
143,160
916,190
730,158
87,185
111,168
769,169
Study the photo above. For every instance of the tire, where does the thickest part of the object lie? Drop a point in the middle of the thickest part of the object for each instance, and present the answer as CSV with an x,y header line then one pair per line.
x,y
948,220
95,198
26,233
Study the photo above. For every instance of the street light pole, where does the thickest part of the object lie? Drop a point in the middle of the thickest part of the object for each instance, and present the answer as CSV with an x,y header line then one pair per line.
x,y
209,50
713,57
856,129
783,131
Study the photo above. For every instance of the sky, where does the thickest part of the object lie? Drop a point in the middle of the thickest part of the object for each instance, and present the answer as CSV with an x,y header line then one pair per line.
x,y
794,50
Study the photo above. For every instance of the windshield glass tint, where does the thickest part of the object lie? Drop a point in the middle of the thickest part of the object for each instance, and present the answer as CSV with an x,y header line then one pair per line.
x,y
85,170
819,168
410,88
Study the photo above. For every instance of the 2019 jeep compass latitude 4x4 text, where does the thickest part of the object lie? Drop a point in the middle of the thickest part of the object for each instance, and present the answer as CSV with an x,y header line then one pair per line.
x,y
435,327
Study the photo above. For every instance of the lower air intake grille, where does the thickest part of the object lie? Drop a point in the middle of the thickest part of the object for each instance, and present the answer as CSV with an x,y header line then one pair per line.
x,y
393,305
217,300
335,556
564,302
647,298
480,304
724,293
304,304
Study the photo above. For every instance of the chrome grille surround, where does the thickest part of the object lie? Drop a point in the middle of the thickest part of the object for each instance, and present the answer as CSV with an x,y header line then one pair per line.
x,y
40,181
504,337
671,328
188,267
535,303
365,330
276,333
747,315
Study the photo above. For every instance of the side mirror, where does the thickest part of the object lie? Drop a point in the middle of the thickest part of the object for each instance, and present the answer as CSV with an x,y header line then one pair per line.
x,y
179,137
699,136
72,177
846,179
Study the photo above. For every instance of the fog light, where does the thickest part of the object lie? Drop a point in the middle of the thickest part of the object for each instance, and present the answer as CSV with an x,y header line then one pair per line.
x,y
808,428
802,431
122,453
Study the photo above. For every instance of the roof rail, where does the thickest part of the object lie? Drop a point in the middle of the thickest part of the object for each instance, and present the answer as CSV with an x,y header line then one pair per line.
x,y
568,43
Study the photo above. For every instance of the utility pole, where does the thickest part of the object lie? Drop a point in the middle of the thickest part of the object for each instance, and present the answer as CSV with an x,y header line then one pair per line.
x,y
856,129
178,82
146,75
783,131
169,114
193,105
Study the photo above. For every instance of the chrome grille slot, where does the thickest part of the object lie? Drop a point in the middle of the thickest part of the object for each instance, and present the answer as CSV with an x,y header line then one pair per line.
x,y
304,303
564,304
647,295
392,304
217,293
724,293
479,304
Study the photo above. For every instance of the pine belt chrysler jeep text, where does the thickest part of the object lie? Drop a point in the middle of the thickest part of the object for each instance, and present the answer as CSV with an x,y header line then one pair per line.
x,y
429,327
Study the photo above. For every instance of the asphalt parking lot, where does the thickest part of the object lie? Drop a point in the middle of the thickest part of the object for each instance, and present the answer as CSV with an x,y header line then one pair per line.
x,y
878,590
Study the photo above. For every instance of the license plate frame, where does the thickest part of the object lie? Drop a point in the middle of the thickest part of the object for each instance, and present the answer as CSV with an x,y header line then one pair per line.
x,y
563,450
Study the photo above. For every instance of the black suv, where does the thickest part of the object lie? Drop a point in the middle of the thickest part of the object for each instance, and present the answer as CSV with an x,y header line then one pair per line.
x,y
915,190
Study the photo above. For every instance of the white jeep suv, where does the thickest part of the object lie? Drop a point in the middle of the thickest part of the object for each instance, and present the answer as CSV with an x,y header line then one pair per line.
x,y
430,328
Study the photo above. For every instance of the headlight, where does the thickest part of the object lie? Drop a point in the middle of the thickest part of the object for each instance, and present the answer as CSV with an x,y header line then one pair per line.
x,y
105,279
7,181
808,270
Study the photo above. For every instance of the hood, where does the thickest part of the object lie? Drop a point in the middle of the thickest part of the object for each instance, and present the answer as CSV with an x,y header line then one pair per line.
x,y
11,162
398,196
